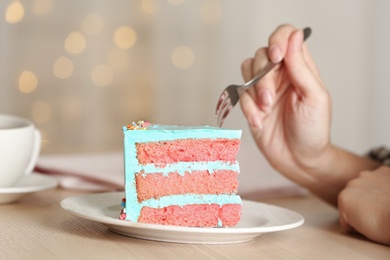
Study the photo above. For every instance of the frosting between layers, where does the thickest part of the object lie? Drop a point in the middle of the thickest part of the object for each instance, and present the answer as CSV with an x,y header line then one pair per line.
x,y
134,207
183,167
155,133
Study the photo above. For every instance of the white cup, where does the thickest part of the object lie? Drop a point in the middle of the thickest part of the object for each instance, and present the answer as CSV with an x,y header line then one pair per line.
x,y
20,144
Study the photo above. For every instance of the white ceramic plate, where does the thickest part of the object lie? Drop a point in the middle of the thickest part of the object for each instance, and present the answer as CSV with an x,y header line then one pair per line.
x,y
257,218
29,184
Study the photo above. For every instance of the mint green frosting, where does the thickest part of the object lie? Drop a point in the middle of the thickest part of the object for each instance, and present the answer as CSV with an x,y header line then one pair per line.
x,y
180,200
155,133
183,167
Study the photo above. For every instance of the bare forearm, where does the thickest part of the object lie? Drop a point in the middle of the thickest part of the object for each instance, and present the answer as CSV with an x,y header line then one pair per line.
x,y
336,169
349,165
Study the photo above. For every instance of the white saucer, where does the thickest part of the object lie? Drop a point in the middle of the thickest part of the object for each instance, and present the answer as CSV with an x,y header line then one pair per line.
x,y
29,184
257,218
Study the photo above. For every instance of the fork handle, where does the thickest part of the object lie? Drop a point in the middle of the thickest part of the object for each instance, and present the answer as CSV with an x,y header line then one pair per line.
x,y
270,65
259,75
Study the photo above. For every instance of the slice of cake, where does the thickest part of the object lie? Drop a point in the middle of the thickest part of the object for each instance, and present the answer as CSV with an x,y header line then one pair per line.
x,y
181,175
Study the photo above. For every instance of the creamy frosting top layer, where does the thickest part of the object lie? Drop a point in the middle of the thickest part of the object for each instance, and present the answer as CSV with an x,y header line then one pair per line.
x,y
169,132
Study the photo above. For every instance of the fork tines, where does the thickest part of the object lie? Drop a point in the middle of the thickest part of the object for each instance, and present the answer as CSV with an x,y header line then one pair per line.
x,y
226,102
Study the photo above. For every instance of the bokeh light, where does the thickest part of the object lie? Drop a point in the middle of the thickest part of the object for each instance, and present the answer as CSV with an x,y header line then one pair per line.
x,y
41,112
176,2
102,75
211,12
42,7
92,24
125,37
75,43
63,68
14,12
182,57
149,6
28,82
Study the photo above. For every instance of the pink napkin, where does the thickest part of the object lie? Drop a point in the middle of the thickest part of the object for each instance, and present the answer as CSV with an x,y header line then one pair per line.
x,y
94,172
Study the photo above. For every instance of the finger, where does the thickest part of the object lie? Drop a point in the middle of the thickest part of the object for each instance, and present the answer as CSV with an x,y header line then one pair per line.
x,y
310,62
278,42
265,88
251,112
247,74
278,45
343,218
300,73
246,69
349,205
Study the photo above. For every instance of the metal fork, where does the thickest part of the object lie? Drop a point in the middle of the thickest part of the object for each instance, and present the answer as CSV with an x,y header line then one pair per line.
x,y
231,94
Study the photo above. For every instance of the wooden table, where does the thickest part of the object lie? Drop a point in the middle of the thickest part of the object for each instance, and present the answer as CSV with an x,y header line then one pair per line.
x,y
38,228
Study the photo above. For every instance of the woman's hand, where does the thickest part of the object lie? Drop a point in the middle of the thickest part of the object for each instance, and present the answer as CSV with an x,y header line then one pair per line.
x,y
364,205
289,114
289,110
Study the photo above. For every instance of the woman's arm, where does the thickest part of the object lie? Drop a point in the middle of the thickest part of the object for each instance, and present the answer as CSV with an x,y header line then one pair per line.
x,y
364,205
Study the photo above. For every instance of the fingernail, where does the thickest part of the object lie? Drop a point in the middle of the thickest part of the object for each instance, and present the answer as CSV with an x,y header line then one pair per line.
x,y
275,54
266,98
255,122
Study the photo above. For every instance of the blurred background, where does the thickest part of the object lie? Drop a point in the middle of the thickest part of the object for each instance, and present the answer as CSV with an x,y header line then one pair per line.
x,y
80,70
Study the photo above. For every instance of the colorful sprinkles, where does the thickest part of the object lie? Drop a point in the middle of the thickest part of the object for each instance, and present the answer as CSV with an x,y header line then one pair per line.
x,y
140,125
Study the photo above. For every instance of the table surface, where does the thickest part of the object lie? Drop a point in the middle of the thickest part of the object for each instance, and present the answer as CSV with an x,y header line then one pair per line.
x,y
37,227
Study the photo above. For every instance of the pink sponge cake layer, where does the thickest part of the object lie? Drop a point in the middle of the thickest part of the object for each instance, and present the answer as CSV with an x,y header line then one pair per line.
x,y
203,215
188,150
196,182
181,175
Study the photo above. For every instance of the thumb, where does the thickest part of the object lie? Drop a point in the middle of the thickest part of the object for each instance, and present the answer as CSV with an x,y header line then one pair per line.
x,y
301,75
